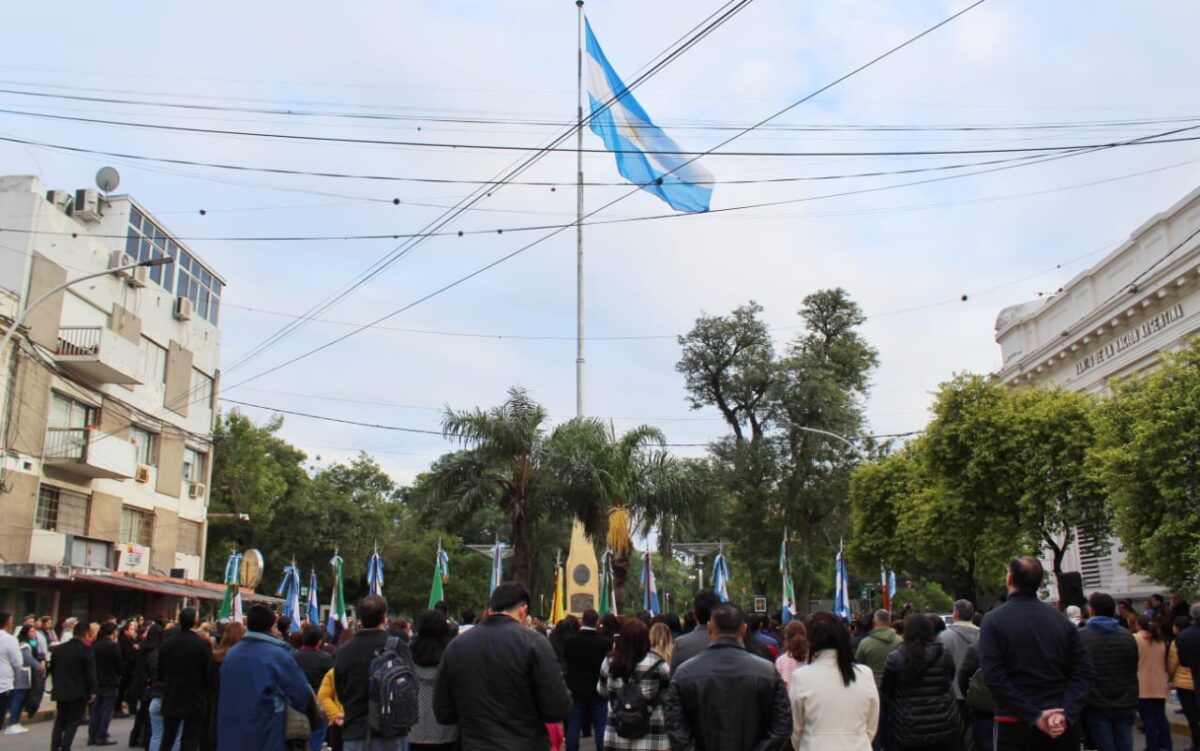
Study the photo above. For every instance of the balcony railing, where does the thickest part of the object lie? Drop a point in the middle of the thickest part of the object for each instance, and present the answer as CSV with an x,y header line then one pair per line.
x,y
78,341
89,452
66,444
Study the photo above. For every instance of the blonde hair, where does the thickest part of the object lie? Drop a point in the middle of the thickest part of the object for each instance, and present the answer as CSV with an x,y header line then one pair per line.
x,y
661,641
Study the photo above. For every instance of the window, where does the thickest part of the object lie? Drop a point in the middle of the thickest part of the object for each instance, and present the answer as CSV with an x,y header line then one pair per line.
x,y
145,445
197,284
67,428
137,526
202,389
193,465
187,277
190,535
153,361
67,413
61,510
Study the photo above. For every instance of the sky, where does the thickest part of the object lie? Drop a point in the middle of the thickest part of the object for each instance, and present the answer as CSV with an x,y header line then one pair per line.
x,y
503,74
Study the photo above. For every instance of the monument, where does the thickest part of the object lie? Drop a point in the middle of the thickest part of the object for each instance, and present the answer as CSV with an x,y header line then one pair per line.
x,y
583,573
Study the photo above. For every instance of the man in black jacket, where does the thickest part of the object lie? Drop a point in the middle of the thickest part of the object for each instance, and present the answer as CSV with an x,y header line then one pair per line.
x,y
352,676
185,666
726,699
500,681
107,654
1187,645
696,641
1035,666
1111,707
583,653
74,673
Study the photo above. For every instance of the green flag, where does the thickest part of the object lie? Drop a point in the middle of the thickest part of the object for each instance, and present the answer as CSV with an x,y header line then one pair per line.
x,y
441,573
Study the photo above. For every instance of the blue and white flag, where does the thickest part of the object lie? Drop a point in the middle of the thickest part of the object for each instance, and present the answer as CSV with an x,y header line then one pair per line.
x,y
646,156
497,575
649,586
375,573
313,611
841,594
720,577
290,589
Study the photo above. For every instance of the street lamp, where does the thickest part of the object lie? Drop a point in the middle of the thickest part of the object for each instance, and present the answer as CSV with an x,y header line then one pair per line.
x,y
24,311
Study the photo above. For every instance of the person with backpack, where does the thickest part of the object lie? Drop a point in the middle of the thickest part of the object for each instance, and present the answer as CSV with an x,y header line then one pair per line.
x,y
500,682
635,681
375,680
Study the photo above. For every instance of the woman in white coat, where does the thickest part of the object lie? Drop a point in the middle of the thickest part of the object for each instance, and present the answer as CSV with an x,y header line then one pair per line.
x,y
835,705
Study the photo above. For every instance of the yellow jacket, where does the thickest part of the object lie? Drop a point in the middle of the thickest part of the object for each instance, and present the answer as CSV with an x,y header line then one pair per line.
x,y
1181,677
327,696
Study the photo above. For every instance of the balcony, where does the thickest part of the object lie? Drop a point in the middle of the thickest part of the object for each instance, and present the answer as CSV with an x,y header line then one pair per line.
x,y
90,453
97,354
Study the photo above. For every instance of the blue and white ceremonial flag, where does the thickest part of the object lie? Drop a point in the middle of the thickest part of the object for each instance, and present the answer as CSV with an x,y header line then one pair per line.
x,y
375,573
290,589
646,156
841,594
649,586
313,611
720,577
891,583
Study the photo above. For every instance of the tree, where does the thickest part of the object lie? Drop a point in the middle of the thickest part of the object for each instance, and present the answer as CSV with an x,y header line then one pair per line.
x,y
1148,459
879,493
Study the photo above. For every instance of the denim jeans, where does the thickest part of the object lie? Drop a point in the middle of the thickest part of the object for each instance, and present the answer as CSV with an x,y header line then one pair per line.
x,y
317,739
598,711
1110,729
981,733
14,709
1154,722
156,726
101,713
377,744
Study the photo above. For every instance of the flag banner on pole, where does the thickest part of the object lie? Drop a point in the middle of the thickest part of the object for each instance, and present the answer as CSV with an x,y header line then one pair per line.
x,y
649,587
441,574
289,588
375,573
337,602
608,599
497,575
231,604
787,606
884,589
891,584
720,577
558,610
314,611
646,156
841,595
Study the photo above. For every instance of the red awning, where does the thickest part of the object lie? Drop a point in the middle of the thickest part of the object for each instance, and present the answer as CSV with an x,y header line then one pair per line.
x,y
172,587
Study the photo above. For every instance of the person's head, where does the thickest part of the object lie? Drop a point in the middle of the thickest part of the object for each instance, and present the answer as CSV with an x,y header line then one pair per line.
x,y
47,622
372,611
234,632
1156,601
468,617
661,641
827,632
187,619
432,636
610,625
1024,575
510,598
81,630
643,616
795,640
108,631
313,636
964,610
25,633
726,621
919,629
1102,605
631,646
882,619
260,619
590,618
1151,627
703,604
672,622
1074,614
442,607
1194,612
5,620
284,622
129,630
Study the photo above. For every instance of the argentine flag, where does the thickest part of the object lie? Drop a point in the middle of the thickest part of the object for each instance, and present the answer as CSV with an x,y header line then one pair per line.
x,y
638,143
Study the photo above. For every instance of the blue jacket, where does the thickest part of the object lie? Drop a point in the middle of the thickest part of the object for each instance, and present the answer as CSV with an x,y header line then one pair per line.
x,y
257,677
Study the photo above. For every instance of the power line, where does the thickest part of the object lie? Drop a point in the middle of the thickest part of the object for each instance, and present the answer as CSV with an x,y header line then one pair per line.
x,y
334,419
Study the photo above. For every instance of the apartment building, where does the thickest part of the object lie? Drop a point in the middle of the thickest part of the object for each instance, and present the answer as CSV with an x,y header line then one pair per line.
x,y
110,390
1110,321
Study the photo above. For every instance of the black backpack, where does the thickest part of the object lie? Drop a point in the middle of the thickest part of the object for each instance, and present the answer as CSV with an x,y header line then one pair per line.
x,y
392,695
630,713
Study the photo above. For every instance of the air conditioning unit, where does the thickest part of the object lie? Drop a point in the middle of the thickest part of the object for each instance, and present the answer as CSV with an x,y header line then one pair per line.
x,y
143,473
139,276
61,200
183,309
195,490
87,206
119,259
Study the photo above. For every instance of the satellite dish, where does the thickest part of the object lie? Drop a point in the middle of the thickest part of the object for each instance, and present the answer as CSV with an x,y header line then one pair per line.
x,y
107,179
252,568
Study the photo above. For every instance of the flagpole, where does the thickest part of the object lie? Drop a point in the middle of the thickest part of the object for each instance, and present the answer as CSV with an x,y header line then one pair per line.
x,y
579,212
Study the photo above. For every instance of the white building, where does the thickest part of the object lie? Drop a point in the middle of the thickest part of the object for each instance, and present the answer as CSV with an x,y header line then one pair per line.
x,y
110,402
1108,322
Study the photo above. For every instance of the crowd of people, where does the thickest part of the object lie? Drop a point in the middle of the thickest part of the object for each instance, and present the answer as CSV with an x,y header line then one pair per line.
x,y
1025,675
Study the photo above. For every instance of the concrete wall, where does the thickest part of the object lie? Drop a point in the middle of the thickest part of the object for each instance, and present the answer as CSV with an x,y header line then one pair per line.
x,y
166,540
170,465
30,407
104,520
17,509
43,321
179,395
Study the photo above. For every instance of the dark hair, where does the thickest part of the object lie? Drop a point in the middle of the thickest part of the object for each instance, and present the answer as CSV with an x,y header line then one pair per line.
x,y
312,635
433,634
672,622
643,616
187,619
918,634
1103,604
372,609
689,620
1146,623
727,619
81,628
22,631
154,636
610,625
468,616
631,646
977,619
1181,623
508,595
1157,596
285,623
442,607
107,629
1027,574
703,604
826,631
964,609
260,619
590,618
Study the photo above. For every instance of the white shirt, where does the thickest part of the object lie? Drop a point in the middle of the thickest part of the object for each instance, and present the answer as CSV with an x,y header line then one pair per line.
x,y
10,660
828,715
